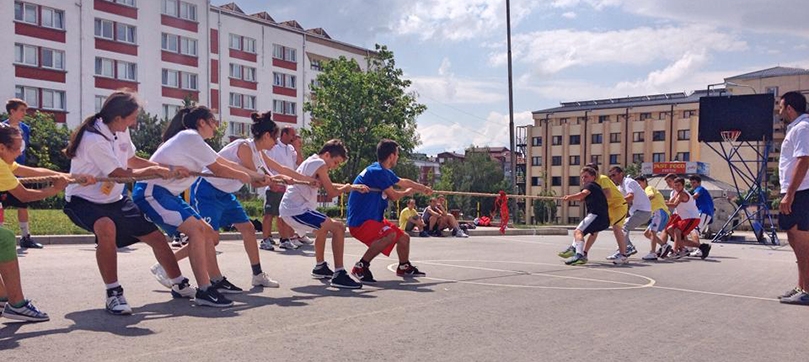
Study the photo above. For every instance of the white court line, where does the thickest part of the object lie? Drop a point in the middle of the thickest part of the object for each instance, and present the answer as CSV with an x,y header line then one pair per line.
x,y
717,294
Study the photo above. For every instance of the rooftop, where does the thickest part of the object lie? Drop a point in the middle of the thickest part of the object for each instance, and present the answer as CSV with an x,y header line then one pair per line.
x,y
636,101
772,72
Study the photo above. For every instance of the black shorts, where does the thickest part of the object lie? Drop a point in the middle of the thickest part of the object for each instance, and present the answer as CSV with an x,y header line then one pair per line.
x,y
272,202
799,216
129,221
8,200
593,223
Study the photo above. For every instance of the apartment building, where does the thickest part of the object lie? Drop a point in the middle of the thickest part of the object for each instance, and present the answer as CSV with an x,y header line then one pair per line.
x,y
631,130
70,55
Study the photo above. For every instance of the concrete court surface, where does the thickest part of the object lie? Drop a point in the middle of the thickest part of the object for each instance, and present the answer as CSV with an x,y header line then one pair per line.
x,y
485,299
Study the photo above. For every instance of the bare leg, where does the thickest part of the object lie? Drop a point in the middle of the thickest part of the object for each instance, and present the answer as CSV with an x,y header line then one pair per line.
x,y
266,226
107,251
338,234
12,287
619,237
248,232
198,243
403,248
162,252
799,240
378,246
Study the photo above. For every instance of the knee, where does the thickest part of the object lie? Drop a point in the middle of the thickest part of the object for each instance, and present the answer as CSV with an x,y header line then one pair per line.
x,y
104,229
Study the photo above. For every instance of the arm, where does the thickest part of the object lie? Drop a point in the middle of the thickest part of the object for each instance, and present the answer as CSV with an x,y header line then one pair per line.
x,y
27,195
141,167
577,196
394,195
25,171
296,144
432,212
223,169
799,174
405,183
286,171
629,197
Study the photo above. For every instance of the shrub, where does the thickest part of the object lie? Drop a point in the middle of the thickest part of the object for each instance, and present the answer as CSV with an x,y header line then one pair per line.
x,y
330,211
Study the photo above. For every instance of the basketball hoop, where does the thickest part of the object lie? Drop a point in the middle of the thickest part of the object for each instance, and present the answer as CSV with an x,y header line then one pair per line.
x,y
730,136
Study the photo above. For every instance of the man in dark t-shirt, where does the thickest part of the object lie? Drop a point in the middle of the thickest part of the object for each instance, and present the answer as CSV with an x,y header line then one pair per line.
x,y
597,218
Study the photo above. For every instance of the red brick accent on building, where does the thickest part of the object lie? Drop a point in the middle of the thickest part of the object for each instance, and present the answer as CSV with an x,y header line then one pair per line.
x,y
214,41
214,71
284,91
284,118
284,64
179,93
243,84
240,112
179,58
178,23
214,101
116,46
238,54
117,9
39,32
110,83
50,75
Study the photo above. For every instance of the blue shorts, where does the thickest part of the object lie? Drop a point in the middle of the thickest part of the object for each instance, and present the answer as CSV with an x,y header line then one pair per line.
x,y
161,207
308,221
659,220
216,207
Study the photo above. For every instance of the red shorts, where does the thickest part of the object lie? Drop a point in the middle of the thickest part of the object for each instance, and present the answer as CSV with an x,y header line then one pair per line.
x,y
685,225
673,220
372,230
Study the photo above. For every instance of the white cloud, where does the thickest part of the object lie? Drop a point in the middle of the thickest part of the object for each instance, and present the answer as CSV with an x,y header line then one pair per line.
x,y
457,20
493,132
447,88
569,15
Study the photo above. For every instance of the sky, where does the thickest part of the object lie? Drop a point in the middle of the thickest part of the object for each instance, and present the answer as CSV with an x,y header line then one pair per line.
x,y
455,51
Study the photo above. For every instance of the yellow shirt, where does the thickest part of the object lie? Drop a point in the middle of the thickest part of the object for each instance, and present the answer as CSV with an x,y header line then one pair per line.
x,y
7,179
406,214
658,202
615,198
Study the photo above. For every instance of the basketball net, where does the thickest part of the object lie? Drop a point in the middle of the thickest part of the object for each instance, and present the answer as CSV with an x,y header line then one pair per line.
x,y
730,137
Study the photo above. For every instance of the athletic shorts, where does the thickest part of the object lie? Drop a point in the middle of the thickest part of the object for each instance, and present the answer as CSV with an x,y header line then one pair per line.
x,y
799,216
618,215
704,221
8,200
310,220
593,223
373,230
272,201
163,208
673,220
659,220
216,207
685,225
129,221
636,220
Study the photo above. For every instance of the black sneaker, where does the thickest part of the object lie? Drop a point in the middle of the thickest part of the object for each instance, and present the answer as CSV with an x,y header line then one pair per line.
x,y
408,270
28,242
705,248
362,273
225,287
182,290
322,271
343,281
211,298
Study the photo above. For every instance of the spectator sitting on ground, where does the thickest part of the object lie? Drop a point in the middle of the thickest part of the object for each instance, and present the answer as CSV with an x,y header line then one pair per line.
x,y
409,219
447,220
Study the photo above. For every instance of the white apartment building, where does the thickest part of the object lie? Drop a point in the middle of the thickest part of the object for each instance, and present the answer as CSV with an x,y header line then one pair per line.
x,y
69,55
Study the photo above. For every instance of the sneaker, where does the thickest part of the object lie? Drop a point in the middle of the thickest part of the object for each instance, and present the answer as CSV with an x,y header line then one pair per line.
x,y
567,253
424,234
2,306
343,281
183,290
437,234
408,270
226,287
650,256
27,312
630,250
665,251
305,240
704,250
790,293
614,255
681,253
322,271
363,273
28,242
160,274
176,242
461,234
267,244
296,242
211,298
659,251
116,303
263,280
800,298
620,260
696,253
577,259
287,244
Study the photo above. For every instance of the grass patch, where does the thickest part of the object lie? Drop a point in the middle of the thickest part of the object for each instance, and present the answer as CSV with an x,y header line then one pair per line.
x,y
43,222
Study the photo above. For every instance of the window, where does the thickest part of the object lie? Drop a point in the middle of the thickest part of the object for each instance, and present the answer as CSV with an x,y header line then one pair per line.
x,y
52,18
663,116
171,78
596,159
659,136
236,100
105,67
645,116
124,2
683,156
53,59
290,108
26,54
103,29
573,220
536,141
188,46
170,7
238,128
536,161
575,160
615,137
28,94
125,33
189,81
573,181
250,102
235,42
235,71
290,55
278,79
284,53
170,43
597,138
278,106
556,181
684,134
638,137
249,74
169,110
290,81
282,107
575,139
613,159
188,11
602,119
689,113
637,157
242,72
99,101
556,140
556,160
127,71
316,65
284,80
25,13
658,157
53,99
250,45
772,90
562,121
535,181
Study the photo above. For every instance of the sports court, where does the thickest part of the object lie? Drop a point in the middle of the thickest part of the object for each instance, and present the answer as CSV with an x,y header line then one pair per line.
x,y
486,298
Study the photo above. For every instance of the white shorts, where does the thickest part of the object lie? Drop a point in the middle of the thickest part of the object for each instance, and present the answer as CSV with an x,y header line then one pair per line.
x,y
704,221
659,220
309,221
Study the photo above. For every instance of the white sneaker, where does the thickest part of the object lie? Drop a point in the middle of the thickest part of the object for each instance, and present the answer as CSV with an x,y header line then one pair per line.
x,y
183,290
288,245
295,242
614,255
116,303
650,256
161,276
267,244
305,240
620,260
696,253
461,234
262,280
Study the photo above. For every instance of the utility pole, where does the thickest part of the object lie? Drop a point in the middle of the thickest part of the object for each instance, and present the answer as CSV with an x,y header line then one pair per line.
x,y
511,112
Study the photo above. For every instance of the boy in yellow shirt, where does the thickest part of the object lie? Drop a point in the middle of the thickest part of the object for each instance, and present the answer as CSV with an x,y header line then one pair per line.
x,y
618,211
409,219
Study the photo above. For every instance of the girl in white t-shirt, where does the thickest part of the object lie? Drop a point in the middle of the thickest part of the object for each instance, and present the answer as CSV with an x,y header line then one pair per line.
x,y
184,146
102,147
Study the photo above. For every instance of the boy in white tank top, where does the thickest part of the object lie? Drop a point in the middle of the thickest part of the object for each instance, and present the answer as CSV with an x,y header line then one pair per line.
x,y
686,209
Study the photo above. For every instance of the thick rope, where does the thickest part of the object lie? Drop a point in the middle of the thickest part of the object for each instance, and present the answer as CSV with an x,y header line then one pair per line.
x,y
49,179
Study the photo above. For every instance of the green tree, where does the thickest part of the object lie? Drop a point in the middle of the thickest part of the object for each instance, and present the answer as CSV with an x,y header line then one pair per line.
x,y
361,108
477,173
545,210
48,139
147,133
